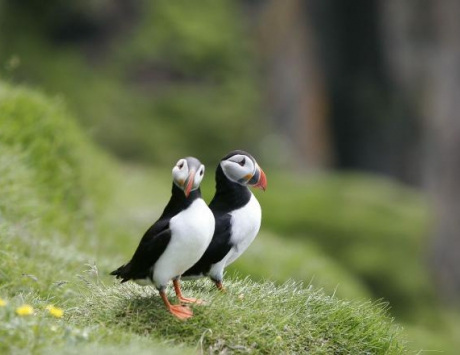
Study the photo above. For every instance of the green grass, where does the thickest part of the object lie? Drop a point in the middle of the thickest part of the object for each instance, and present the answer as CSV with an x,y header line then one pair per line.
x,y
256,317
69,214
263,317
53,187
61,233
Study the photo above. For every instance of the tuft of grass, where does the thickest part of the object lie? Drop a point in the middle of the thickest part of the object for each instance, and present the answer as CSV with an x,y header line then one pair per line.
x,y
251,317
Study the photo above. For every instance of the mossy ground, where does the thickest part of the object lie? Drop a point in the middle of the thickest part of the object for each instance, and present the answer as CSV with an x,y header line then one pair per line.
x,y
60,233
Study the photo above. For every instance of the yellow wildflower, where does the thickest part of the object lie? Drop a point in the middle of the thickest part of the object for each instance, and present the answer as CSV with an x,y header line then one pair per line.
x,y
2,302
25,310
55,311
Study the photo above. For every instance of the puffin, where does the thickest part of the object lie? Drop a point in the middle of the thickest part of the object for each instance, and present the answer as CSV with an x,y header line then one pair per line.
x,y
176,241
237,214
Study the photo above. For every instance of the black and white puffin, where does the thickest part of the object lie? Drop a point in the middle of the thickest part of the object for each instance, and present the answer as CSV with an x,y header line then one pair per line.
x,y
177,240
237,213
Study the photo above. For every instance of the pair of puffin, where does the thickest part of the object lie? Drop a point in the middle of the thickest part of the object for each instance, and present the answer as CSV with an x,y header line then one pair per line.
x,y
193,240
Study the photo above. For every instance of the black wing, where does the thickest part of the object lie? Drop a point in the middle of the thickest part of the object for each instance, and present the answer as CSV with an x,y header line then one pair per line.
x,y
151,246
219,247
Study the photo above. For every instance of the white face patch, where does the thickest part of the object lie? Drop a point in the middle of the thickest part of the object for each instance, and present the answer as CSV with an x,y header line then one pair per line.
x,y
238,168
198,177
180,173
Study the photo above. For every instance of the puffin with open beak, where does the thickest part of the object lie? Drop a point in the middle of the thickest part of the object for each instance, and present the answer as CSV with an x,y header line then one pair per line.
x,y
237,213
177,240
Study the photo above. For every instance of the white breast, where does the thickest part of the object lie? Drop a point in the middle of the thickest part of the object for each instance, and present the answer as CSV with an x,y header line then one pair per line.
x,y
191,233
245,226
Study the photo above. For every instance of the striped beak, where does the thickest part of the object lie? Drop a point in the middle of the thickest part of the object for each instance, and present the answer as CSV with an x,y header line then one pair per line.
x,y
189,182
258,180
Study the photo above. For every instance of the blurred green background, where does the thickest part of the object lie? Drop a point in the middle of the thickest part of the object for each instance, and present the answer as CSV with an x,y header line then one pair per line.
x,y
350,108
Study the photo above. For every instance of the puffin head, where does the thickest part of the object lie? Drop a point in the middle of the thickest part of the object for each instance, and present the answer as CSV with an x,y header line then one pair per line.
x,y
187,174
241,167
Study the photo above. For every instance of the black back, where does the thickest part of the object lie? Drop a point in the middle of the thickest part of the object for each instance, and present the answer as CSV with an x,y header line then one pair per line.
x,y
229,196
156,238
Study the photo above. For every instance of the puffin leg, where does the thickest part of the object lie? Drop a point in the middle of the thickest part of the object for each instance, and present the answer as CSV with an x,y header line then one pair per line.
x,y
178,310
219,285
183,299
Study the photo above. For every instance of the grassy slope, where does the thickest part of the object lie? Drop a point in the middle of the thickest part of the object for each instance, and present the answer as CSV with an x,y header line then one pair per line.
x,y
141,201
52,189
49,198
250,316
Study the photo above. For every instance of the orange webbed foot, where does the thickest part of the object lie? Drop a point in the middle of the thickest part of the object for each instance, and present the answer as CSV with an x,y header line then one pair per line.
x,y
181,312
192,300
185,299
178,310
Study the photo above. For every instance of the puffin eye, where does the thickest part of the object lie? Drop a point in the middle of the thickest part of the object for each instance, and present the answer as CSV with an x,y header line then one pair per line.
x,y
242,162
181,165
201,172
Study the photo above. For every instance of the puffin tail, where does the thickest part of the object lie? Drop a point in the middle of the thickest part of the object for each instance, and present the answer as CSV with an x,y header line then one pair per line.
x,y
121,272
117,272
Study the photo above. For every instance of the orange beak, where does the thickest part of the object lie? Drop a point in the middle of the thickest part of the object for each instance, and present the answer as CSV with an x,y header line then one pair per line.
x,y
262,182
189,182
